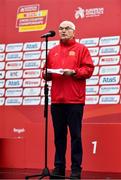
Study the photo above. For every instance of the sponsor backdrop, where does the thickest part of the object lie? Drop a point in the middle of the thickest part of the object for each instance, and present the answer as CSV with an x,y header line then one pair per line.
x,y
22,55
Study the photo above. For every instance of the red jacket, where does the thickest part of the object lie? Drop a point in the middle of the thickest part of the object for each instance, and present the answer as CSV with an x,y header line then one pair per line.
x,y
70,89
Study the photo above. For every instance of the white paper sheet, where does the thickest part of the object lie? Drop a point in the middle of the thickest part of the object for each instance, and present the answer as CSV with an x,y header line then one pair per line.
x,y
56,71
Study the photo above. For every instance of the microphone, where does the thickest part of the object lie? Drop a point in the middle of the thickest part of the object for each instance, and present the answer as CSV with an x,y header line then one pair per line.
x,y
49,34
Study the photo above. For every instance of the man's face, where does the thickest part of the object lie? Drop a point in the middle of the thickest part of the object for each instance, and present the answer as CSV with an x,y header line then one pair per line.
x,y
65,31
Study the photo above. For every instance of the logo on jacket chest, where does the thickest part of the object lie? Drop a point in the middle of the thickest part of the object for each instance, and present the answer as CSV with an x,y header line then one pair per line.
x,y
72,53
56,54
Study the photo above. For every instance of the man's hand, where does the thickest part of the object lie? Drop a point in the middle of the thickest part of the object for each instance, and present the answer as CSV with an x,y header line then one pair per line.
x,y
68,72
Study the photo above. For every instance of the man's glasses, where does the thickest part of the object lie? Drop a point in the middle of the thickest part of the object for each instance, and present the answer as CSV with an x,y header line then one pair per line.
x,y
66,28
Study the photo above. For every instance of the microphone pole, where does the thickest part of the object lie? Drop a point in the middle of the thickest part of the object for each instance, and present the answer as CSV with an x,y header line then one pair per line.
x,y
45,171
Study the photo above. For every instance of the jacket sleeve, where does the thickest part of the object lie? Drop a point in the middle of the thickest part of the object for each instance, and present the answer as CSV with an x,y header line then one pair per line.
x,y
86,68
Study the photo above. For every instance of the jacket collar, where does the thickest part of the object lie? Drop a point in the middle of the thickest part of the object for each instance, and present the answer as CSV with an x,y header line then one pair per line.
x,y
69,42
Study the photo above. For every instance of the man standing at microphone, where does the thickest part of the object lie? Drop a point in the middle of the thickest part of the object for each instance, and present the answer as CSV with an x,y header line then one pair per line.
x,y
68,97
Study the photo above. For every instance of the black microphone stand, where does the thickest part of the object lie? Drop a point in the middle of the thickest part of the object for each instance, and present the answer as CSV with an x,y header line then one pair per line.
x,y
46,171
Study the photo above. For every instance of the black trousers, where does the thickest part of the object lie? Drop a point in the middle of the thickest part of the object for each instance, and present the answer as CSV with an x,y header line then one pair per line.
x,y
64,116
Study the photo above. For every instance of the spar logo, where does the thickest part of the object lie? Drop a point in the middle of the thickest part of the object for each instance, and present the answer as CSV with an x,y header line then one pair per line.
x,y
31,18
31,73
109,60
86,13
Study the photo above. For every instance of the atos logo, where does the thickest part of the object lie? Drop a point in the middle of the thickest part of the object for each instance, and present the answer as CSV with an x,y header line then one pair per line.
x,y
14,83
32,46
109,80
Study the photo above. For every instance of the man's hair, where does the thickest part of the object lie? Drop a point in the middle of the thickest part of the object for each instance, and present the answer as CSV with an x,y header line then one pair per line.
x,y
69,23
